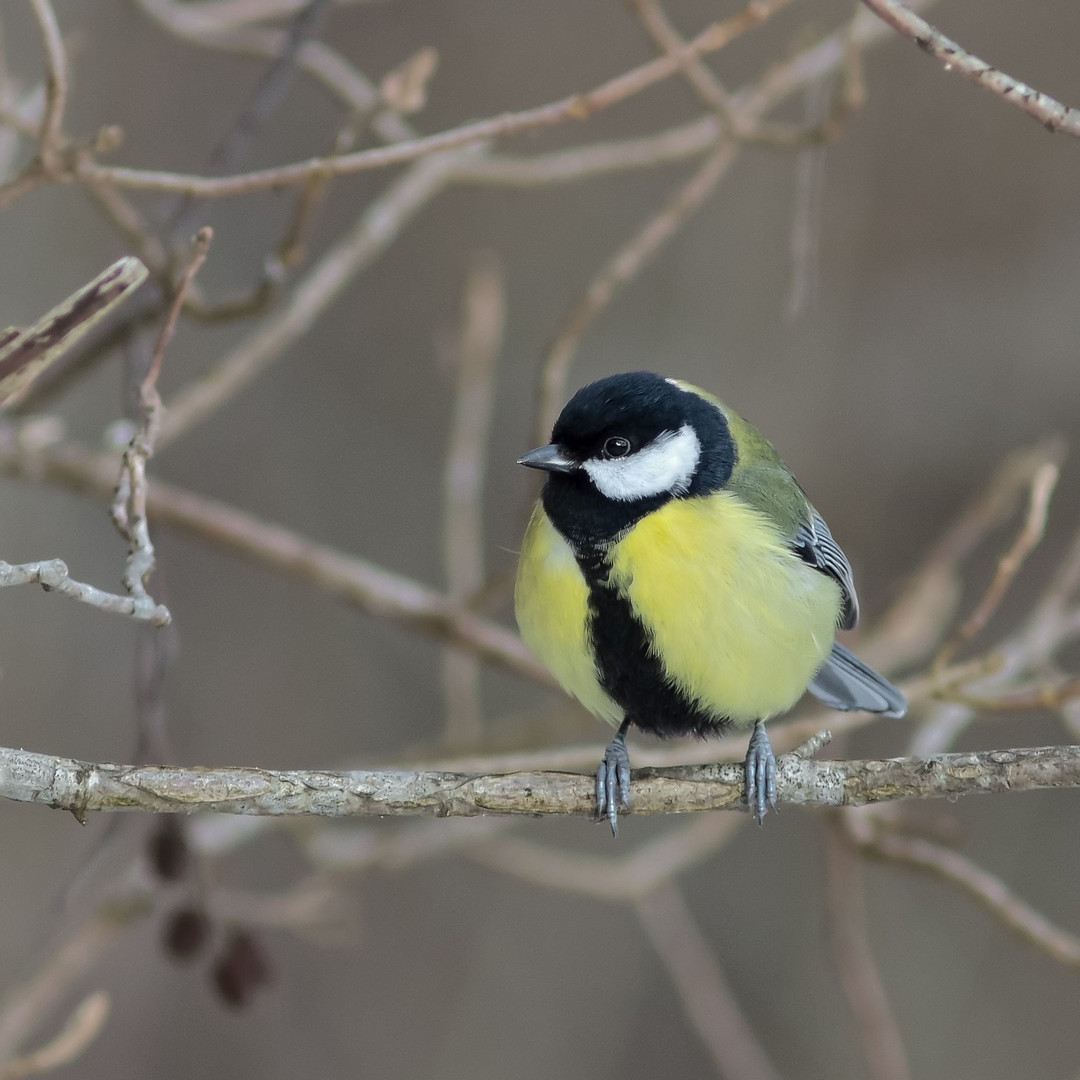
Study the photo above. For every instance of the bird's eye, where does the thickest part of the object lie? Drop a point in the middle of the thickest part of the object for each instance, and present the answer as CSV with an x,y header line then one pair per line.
x,y
616,446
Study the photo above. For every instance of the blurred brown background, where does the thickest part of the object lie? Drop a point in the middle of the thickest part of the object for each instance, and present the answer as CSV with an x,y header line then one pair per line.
x,y
940,335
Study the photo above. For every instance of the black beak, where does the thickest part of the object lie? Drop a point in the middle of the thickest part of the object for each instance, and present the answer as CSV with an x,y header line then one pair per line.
x,y
550,458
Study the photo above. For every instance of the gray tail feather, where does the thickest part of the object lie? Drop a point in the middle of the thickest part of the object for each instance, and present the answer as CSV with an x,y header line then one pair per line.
x,y
845,682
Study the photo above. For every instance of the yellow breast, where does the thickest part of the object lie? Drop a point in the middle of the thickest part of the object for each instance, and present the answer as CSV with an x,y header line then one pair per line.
x,y
551,605
739,622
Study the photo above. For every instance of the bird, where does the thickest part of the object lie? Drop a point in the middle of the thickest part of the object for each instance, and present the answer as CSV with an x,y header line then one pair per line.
x,y
675,577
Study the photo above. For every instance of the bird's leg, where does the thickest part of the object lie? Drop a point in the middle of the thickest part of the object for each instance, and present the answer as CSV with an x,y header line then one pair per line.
x,y
613,779
760,773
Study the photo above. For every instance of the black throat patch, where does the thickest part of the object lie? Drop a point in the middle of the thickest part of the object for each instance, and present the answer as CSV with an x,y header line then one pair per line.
x,y
629,672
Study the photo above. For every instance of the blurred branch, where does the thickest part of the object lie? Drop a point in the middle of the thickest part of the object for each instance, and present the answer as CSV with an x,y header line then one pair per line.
x,y
709,1001
358,582
910,629
201,26
477,352
375,230
875,840
24,1007
579,107
80,786
619,271
50,138
1049,112
629,877
849,940
1027,539
82,1028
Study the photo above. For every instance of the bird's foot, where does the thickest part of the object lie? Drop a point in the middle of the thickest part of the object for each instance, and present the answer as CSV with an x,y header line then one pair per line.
x,y
613,781
760,773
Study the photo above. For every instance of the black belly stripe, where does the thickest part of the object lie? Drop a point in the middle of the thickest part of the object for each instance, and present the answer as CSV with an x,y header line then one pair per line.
x,y
631,675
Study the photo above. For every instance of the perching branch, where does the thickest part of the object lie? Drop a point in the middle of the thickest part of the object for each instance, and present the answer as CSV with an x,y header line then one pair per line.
x,y
80,786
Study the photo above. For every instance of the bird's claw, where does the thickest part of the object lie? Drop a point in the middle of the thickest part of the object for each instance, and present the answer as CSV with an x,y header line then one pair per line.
x,y
760,773
613,783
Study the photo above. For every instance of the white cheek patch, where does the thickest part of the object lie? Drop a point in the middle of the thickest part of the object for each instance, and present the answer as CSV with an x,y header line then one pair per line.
x,y
667,464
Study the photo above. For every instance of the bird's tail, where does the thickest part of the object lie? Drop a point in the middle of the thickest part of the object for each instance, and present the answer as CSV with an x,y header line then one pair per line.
x,y
845,682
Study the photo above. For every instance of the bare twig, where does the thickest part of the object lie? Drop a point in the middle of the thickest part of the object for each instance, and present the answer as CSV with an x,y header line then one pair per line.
x,y
1050,113
81,786
477,353
705,84
52,575
1042,488
991,892
354,580
377,227
909,631
128,508
82,1028
854,960
684,141
348,85
699,980
622,268
575,107
50,138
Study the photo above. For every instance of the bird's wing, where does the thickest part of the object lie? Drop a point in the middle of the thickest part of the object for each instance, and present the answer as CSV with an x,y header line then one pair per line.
x,y
762,479
814,544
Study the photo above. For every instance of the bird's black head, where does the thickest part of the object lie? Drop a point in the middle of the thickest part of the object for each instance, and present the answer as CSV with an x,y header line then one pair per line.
x,y
625,445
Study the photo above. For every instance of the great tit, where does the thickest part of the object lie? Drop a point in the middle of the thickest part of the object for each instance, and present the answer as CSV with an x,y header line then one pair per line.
x,y
674,576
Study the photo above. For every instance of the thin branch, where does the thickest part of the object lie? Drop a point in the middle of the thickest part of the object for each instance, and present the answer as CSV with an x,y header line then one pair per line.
x,y
50,138
82,1028
616,878
699,980
705,84
619,271
850,944
128,509
1049,112
376,228
575,107
1042,488
991,892
347,84
687,140
910,629
52,575
354,580
483,322
81,786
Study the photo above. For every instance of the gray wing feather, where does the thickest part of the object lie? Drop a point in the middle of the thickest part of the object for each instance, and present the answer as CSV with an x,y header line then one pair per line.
x,y
815,545
845,682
